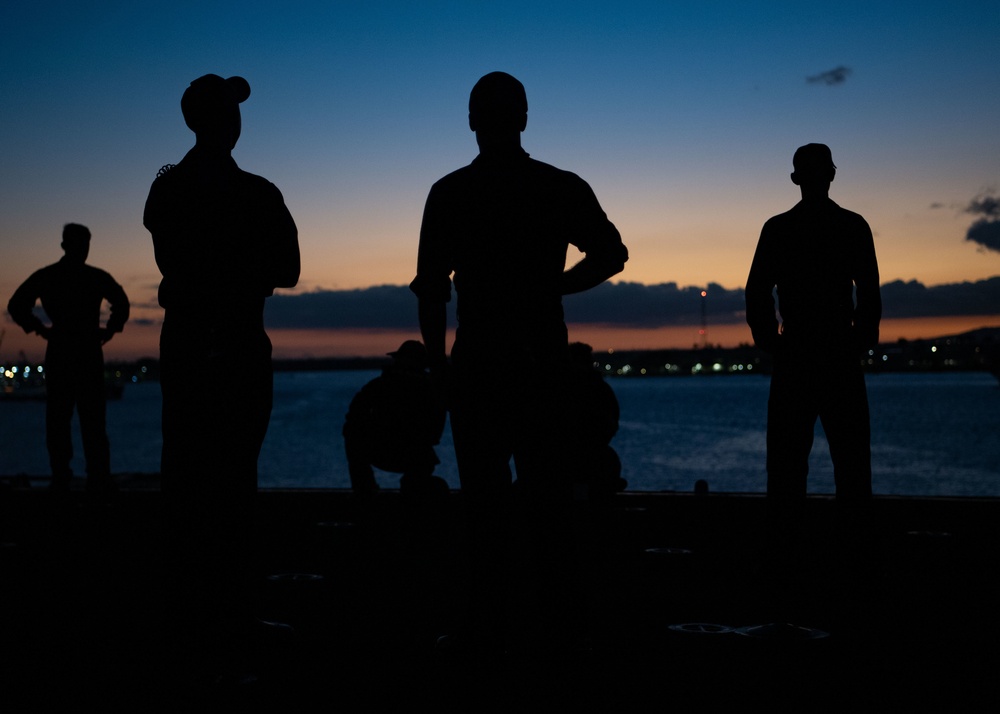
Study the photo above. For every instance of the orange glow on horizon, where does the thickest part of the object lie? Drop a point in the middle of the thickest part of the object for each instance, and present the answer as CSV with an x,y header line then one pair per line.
x,y
354,343
142,340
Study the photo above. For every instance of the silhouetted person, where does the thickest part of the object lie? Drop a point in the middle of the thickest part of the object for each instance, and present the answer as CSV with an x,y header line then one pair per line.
x,y
591,422
393,424
821,259
502,226
223,241
72,294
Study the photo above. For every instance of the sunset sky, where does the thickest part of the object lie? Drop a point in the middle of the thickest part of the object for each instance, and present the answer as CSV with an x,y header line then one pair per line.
x,y
683,117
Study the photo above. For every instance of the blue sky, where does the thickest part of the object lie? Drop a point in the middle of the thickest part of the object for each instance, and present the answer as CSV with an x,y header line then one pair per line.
x,y
682,116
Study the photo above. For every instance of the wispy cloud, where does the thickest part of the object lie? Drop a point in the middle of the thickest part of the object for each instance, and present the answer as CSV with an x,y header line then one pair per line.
x,y
837,75
985,204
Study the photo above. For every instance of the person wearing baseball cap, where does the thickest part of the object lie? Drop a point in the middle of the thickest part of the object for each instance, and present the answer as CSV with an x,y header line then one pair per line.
x,y
211,107
223,240
393,424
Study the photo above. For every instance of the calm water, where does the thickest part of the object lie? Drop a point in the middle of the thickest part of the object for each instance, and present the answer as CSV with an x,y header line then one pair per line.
x,y
932,434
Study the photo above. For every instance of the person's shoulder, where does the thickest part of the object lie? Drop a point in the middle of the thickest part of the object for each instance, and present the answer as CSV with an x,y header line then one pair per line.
x,y
849,215
169,180
160,182
253,178
97,273
452,185
849,221
556,173
256,182
368,390
781,219
42,274
169,173
50,268
454,178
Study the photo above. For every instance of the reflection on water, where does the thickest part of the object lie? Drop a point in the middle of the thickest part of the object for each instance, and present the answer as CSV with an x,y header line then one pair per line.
x,y
932,434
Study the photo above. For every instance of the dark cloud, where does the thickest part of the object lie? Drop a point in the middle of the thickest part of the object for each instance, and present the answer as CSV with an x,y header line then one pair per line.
x,y
837,75
632,304
379,307
913,299
985,231
637,305
621,304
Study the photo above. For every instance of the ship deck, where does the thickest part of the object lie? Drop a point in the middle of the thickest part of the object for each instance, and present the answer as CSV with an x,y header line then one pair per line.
x,y
904,618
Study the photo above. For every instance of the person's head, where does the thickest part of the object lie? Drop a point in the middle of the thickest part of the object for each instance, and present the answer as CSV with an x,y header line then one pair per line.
x,y
211,108
813,164
410,355
581,353
76,242
498,105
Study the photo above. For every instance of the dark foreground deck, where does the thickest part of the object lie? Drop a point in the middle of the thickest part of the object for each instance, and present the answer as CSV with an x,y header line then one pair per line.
x,y
910,614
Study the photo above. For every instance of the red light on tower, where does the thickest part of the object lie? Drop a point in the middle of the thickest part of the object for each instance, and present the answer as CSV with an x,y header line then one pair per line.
x,y
704,319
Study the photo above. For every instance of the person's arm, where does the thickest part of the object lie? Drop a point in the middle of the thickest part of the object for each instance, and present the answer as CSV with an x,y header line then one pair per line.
x,y
868,311
599,263
118,309
759,295
433,316
21,307
432,284
286,260
155,217
604,254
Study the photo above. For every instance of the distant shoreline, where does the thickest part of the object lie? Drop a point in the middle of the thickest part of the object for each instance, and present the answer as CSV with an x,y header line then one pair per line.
x,y
978,350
